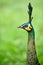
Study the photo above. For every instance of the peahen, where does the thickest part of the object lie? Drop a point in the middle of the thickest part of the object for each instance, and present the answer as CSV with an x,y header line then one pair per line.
x,y
32,58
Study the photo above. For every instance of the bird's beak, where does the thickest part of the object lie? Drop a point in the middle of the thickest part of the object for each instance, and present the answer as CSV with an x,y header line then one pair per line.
x,y
20,26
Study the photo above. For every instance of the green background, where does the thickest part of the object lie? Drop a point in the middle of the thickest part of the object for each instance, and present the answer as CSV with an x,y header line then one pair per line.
x,y
13,41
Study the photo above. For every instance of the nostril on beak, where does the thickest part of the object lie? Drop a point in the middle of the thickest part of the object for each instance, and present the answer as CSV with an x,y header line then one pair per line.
x,y
20,26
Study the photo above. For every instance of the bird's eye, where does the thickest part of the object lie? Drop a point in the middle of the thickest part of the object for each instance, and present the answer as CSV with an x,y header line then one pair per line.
x,y
26,25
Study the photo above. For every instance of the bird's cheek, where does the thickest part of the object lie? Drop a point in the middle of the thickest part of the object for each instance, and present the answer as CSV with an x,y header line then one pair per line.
x,y
28,29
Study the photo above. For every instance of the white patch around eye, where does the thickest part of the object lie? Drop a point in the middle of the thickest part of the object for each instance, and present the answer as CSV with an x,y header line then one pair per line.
x,y
28,25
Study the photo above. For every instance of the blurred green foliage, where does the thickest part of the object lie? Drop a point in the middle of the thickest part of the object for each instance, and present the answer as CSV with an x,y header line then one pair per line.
x,y
13,41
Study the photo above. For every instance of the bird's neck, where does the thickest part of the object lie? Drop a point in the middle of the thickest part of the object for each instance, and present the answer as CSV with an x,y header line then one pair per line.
x,y
31,34
31,51
31,40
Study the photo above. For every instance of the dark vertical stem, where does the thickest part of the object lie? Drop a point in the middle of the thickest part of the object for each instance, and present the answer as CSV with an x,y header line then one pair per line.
x,y
30,11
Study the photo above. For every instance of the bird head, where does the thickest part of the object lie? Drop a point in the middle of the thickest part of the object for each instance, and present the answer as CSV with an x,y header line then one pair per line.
x,y
26,26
